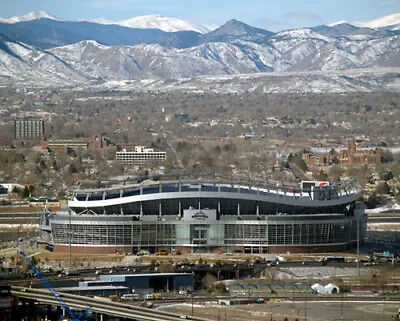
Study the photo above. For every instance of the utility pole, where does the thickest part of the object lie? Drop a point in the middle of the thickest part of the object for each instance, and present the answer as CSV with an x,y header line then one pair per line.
x,y
358,246
69,241
305,307
192,305
341,309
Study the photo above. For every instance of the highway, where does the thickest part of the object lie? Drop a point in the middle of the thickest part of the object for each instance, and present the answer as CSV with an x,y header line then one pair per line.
x,y
102,306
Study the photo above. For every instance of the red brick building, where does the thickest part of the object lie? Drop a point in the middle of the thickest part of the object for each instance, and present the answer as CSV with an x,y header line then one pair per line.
x,y
352,156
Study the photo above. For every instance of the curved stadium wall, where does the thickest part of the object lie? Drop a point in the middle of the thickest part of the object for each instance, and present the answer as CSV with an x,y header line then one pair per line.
x,y
209,215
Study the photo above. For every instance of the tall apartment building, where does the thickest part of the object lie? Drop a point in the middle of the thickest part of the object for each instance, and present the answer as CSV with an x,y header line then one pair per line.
x,y
26,129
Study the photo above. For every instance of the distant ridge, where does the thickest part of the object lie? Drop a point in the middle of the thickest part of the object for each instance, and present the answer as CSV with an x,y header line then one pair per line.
x,y
391,21
30,16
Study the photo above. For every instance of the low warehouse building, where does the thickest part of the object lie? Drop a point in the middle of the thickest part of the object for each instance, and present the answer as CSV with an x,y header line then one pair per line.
x,y
156,282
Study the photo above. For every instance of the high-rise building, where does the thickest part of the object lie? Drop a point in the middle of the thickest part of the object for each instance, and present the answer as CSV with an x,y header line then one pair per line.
x,y
27,129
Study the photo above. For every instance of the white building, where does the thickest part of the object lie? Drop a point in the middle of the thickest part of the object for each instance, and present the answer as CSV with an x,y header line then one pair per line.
x,y
140,156
327,289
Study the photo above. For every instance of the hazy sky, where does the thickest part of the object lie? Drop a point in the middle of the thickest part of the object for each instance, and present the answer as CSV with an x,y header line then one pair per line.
x,y
273,15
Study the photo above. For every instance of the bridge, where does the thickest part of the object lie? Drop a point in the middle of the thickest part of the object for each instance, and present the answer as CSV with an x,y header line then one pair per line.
x,y
99,306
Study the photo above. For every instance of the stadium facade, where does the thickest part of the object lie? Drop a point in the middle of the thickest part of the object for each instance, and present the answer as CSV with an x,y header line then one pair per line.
x,y
209,214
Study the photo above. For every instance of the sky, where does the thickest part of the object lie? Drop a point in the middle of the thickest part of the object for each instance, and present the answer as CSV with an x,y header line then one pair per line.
x,y
273,15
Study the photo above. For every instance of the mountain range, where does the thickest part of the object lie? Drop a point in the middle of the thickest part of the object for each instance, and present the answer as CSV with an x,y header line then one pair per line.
x,y
142,22
42,50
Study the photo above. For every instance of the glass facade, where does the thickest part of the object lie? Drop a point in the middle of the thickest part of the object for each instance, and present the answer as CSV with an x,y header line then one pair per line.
x,y
222,215
128,232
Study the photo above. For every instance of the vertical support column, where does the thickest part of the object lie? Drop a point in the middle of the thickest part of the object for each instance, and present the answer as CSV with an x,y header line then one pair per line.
x,y
315,232
48,311
284,232
300,236
156,241
180,208
107,233
293,233
132,233
59,311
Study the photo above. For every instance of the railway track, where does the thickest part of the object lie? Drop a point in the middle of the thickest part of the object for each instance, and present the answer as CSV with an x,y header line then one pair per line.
x,y
100,305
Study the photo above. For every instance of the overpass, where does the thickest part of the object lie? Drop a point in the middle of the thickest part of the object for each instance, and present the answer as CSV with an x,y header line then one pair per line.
x,y
99,305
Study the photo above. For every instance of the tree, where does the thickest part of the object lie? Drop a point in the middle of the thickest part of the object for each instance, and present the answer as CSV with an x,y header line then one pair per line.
x,y
382,188
387,156
209,281
298,161
321,175
335,172
372,201
73,169
26,192
387,176
220,288
166,268
55,166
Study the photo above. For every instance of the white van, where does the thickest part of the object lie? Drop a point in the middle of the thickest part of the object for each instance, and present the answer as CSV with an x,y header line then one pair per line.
x,y
149,296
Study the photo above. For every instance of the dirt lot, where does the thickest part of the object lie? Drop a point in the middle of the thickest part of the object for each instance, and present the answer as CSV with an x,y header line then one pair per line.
x,y
280,311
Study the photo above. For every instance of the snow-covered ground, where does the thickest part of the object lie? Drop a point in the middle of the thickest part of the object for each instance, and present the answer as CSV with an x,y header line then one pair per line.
x,y
321,272
383,209
18,226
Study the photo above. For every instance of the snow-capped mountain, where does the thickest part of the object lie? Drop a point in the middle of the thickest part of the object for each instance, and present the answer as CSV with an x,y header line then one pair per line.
x,y
383,22
101,21
295,50
28,17
20,63
233,30
141,22
233,49
337,23
351,31
391,21
164,23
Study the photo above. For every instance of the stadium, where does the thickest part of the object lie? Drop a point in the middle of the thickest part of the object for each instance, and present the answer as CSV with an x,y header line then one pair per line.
x,y
209,214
